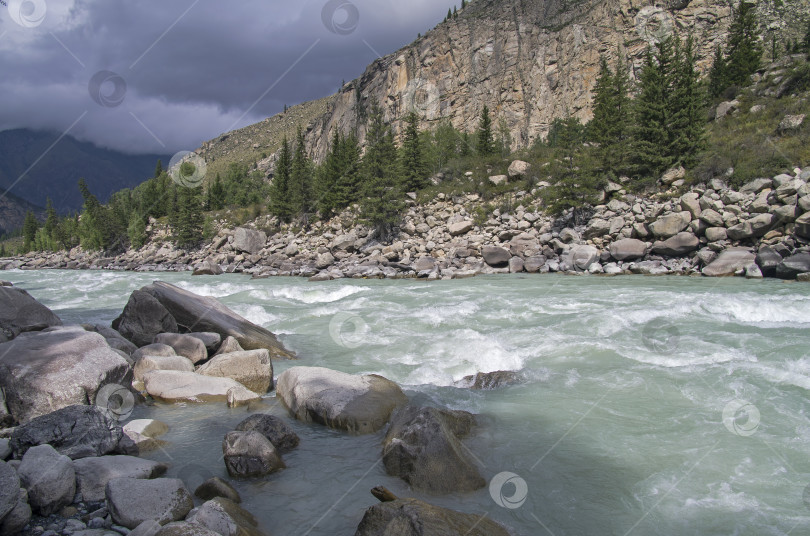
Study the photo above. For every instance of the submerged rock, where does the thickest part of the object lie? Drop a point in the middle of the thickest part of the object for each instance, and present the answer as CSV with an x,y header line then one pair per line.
x,y
198,313
490,380
412,517
216,487
249,454
422,447
358,404
77,361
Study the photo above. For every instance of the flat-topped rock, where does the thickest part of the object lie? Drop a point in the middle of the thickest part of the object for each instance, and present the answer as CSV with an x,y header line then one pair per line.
x,y
175,386
251,368
77,361
358,404
198,313
132,501
148,363
92,474
730,262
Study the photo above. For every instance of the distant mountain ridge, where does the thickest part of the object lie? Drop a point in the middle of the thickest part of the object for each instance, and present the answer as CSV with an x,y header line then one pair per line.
x,y
57,173
13,210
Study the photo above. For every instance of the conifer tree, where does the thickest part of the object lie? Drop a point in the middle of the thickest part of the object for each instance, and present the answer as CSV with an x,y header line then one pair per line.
x,y
449,15
93,224
485,142
382,204
51,222
158,169
188,232
806,40
328,176
687,125
744,48
718,75
651,134
411,158
216,195
611,116
30,227
280,189
300,186
463,4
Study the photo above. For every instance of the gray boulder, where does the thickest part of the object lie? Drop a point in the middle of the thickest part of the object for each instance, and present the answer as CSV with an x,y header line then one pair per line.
x,y
92,474
229,346
225,518
248,240
581,258
729,262
496,256
803,225
197,313
716,234
767,260
490,380
274,429
132,501
208,267
250,454
49,479
794,265
143,318
210,339
359,404
79,362
20,312
147,528
9,488
185,345
670,225
182,528
157,350
75,431
677,246
16,520
422,447
460,227
252,368
628,249
148,363
412,517
176,386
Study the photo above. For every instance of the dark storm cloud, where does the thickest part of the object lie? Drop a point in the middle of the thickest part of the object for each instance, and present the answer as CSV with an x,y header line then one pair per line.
x,y
186,70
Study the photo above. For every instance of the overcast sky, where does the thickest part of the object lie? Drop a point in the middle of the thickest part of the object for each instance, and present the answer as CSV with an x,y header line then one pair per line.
x,y
162,76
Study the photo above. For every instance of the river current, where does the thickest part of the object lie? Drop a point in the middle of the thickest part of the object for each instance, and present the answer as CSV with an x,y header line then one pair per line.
x,y
647,406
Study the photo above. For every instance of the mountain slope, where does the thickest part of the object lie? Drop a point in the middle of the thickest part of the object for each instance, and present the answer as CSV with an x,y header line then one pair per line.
x,y
57,173
13,210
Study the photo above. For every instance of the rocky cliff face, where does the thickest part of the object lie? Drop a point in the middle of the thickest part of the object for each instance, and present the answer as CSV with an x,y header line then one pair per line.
x,y
529,61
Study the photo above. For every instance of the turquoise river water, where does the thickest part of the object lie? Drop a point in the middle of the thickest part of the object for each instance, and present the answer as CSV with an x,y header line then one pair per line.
x,y
649,406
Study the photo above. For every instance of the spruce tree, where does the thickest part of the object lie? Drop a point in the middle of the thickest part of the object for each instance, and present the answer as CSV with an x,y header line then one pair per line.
x,y
216,194
382,205
93,222
412,160
327,177
300,186
188,232
651,106
280,188
744,48
30,227
718,75
449,15
687,125
806,40
611,110
158,169
51,224
485,144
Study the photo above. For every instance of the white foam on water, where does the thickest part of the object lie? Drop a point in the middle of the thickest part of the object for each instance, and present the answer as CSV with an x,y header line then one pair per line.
x,y
691,357
217,290
446,314
256,314
308,294
722,497
764,311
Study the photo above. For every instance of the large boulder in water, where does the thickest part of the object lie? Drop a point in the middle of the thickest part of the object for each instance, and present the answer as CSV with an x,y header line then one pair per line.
x,y
176,386
143,318
249,454
730,262
198,313
20,312
251,368
132,501
412,517
44,372
358,404
75,431
422,447
274,429
794,265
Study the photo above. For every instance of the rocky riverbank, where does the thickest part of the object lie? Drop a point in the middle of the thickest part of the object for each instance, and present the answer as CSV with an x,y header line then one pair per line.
x,y
760,229
69,455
